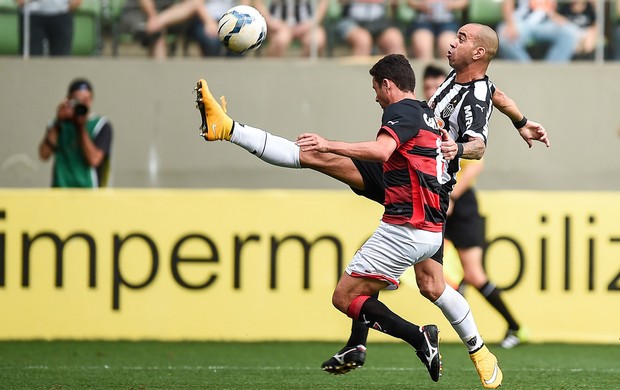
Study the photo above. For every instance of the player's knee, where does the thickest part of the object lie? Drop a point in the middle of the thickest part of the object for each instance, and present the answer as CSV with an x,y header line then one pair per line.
x,y
430,290
475,278
340,302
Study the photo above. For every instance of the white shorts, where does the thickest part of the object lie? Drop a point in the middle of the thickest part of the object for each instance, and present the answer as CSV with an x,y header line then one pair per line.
x,y
391,250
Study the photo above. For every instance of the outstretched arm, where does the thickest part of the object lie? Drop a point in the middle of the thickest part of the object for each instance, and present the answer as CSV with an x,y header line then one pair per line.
x,y
529,130
379,150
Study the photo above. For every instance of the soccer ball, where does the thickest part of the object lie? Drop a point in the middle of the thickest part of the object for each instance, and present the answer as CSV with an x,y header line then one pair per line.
x,y
242,28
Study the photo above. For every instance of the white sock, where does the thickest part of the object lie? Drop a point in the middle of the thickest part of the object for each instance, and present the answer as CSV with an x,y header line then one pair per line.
x,y
456,309
268,147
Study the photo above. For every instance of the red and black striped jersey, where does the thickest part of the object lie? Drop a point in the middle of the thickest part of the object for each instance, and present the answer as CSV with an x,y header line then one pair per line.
x,y
413,174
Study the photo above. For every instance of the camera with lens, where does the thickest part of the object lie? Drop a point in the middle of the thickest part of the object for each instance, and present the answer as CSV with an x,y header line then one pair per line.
x,y
79,109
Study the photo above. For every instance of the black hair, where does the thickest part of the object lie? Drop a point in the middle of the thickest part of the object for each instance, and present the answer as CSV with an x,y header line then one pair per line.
x,y
79,83
433,71
396,68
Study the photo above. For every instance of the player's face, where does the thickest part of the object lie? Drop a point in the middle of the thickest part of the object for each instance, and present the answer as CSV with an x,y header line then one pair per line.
x,y
381,93
462,47
430,86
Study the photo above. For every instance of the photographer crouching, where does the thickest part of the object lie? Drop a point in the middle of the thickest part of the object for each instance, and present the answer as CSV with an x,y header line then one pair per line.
x,y
79,139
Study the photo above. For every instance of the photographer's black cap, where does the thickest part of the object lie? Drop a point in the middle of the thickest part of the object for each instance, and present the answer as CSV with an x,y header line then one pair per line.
x,y
79,84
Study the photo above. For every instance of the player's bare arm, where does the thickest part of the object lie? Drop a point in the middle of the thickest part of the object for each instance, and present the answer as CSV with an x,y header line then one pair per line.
x,y
379,150
473,149
529,130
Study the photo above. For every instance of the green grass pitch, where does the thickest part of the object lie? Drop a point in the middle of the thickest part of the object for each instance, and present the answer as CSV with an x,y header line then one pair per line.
x,y
289,365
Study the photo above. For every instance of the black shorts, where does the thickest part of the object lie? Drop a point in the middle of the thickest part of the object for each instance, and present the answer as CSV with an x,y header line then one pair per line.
x,y
465,227
372,173
445,198
374,189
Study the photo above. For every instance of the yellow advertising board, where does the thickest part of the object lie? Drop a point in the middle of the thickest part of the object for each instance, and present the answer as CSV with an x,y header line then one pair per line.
x,y
251,265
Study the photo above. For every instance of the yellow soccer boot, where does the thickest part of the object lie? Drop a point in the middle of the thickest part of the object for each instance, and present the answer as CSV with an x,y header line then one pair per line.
x,y
486,364
216,125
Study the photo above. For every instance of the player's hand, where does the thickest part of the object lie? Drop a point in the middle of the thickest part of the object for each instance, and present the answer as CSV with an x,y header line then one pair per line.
x,y
534,131
308,142
448,146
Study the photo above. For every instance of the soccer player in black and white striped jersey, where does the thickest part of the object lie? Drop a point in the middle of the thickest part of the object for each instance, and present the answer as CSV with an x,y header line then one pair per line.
x,y
464,110
469,55
465,229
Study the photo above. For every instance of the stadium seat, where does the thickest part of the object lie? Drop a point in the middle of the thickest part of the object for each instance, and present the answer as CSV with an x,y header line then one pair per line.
x,y
404,13
487,12
9,28
403,17
332,16
111,12
87,28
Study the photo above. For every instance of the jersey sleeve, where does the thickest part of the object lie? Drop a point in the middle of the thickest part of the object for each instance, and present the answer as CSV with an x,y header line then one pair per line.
x,y
400,120
103,140
475,113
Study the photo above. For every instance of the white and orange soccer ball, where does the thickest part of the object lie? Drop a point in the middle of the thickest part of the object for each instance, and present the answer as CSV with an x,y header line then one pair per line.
x,y
242,28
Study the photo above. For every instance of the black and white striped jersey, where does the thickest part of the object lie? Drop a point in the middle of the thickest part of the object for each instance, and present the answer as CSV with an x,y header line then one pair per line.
x,y
292,12
463,109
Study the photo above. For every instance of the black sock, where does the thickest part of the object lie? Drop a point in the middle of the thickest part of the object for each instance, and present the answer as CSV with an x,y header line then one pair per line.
x,y
359,334
374,314
492,294
359,331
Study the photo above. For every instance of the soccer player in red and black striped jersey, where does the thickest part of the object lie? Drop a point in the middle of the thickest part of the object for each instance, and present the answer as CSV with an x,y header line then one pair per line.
x,y
409,146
